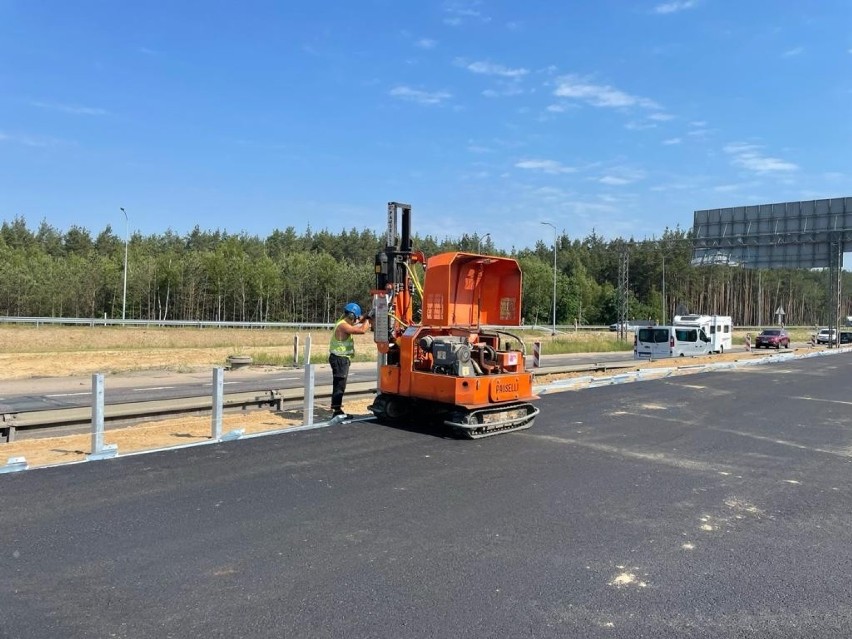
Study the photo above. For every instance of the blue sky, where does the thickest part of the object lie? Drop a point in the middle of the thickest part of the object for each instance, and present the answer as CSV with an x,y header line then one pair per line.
x,y
487,116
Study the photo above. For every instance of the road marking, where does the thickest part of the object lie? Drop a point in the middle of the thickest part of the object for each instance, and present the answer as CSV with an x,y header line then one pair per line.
x,y
69,394
817,399
150,388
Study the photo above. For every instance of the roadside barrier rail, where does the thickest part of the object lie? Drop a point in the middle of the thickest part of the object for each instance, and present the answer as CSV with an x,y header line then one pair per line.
x,y
11,424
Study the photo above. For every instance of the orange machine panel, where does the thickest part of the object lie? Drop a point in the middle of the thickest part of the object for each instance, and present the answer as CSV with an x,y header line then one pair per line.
x,y
464,289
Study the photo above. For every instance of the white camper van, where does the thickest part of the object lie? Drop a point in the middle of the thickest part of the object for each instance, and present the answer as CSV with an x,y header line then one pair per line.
x,y
719,328
655,342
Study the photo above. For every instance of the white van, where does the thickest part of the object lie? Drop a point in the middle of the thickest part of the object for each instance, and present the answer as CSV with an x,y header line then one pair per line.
x,y
655,342
719,328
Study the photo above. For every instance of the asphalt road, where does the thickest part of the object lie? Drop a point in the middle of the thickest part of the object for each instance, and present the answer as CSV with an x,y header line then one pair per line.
x,y
709,505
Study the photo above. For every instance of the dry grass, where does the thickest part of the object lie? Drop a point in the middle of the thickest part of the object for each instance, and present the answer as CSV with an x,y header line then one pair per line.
x,y
62,351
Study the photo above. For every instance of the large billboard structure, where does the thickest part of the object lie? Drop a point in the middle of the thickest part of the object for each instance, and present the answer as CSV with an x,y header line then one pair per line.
x,y
806,234
786,235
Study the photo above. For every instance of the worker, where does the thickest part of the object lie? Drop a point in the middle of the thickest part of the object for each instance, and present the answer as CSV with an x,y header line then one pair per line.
x,y
341,349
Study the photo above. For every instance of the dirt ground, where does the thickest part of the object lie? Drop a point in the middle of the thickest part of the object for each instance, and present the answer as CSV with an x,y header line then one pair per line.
x,y
56,352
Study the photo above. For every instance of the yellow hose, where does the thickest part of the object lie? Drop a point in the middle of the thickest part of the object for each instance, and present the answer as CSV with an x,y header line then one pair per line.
x,y
414,279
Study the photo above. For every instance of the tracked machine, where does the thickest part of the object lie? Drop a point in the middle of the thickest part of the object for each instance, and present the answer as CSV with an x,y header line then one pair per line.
x,y
455,364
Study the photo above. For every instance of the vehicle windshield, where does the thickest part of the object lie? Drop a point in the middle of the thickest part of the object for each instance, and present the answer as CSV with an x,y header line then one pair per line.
x,y
771,333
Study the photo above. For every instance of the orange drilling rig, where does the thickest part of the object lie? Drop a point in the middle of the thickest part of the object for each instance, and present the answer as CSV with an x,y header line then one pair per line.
x,y
456,363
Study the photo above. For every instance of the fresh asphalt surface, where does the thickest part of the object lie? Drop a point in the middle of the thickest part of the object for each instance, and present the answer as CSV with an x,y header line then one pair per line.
x,y
708,505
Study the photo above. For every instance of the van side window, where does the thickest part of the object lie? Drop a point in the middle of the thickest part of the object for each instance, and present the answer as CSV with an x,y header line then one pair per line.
x,y
686,334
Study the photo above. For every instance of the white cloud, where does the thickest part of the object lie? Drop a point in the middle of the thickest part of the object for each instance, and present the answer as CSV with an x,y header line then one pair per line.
x,y
661,117
620,176
489,68
600,95
749,157
70,108
675,6
459,11
426,43
612,180
790,53
639,126
698,130
505,89
29,140
672,141
421,97
545,166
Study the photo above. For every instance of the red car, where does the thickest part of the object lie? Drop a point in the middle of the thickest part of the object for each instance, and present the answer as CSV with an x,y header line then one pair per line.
x,y
772,338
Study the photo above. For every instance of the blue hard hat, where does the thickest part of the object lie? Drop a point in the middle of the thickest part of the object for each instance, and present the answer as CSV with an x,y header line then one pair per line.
x,y
353,308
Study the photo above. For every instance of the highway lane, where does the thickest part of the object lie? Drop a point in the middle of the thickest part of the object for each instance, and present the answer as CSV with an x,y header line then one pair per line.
x,y
712,505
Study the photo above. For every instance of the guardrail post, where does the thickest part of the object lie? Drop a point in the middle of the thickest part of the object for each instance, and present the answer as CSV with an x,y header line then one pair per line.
x,y
7,432
296,350
308,409
97,412
307,350
218,392
99,450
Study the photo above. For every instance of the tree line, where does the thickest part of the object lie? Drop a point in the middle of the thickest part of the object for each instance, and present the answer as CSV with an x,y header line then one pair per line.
x,y
307,277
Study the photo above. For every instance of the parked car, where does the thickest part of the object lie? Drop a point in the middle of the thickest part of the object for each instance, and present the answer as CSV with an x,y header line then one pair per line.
x,y
772,338
846,337
826,336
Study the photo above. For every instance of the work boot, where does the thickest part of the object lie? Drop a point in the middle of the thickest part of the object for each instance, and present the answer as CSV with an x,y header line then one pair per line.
x,y
338,416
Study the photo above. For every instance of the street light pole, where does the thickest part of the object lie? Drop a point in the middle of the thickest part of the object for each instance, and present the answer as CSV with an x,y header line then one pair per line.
x,y
479,245
555,232
664,288
124,295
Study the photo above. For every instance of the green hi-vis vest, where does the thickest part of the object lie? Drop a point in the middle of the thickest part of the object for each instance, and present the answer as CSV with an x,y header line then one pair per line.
x,y
342,347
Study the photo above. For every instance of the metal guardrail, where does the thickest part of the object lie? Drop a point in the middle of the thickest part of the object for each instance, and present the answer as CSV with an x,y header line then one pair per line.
x,y
149,323
134,411
12,423
93,321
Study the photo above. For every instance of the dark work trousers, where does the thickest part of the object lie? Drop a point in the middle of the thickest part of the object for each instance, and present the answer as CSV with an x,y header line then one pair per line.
x,y
339,374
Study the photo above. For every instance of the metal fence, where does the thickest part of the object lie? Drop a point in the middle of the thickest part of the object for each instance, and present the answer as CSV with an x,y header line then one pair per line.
x,y
96,321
